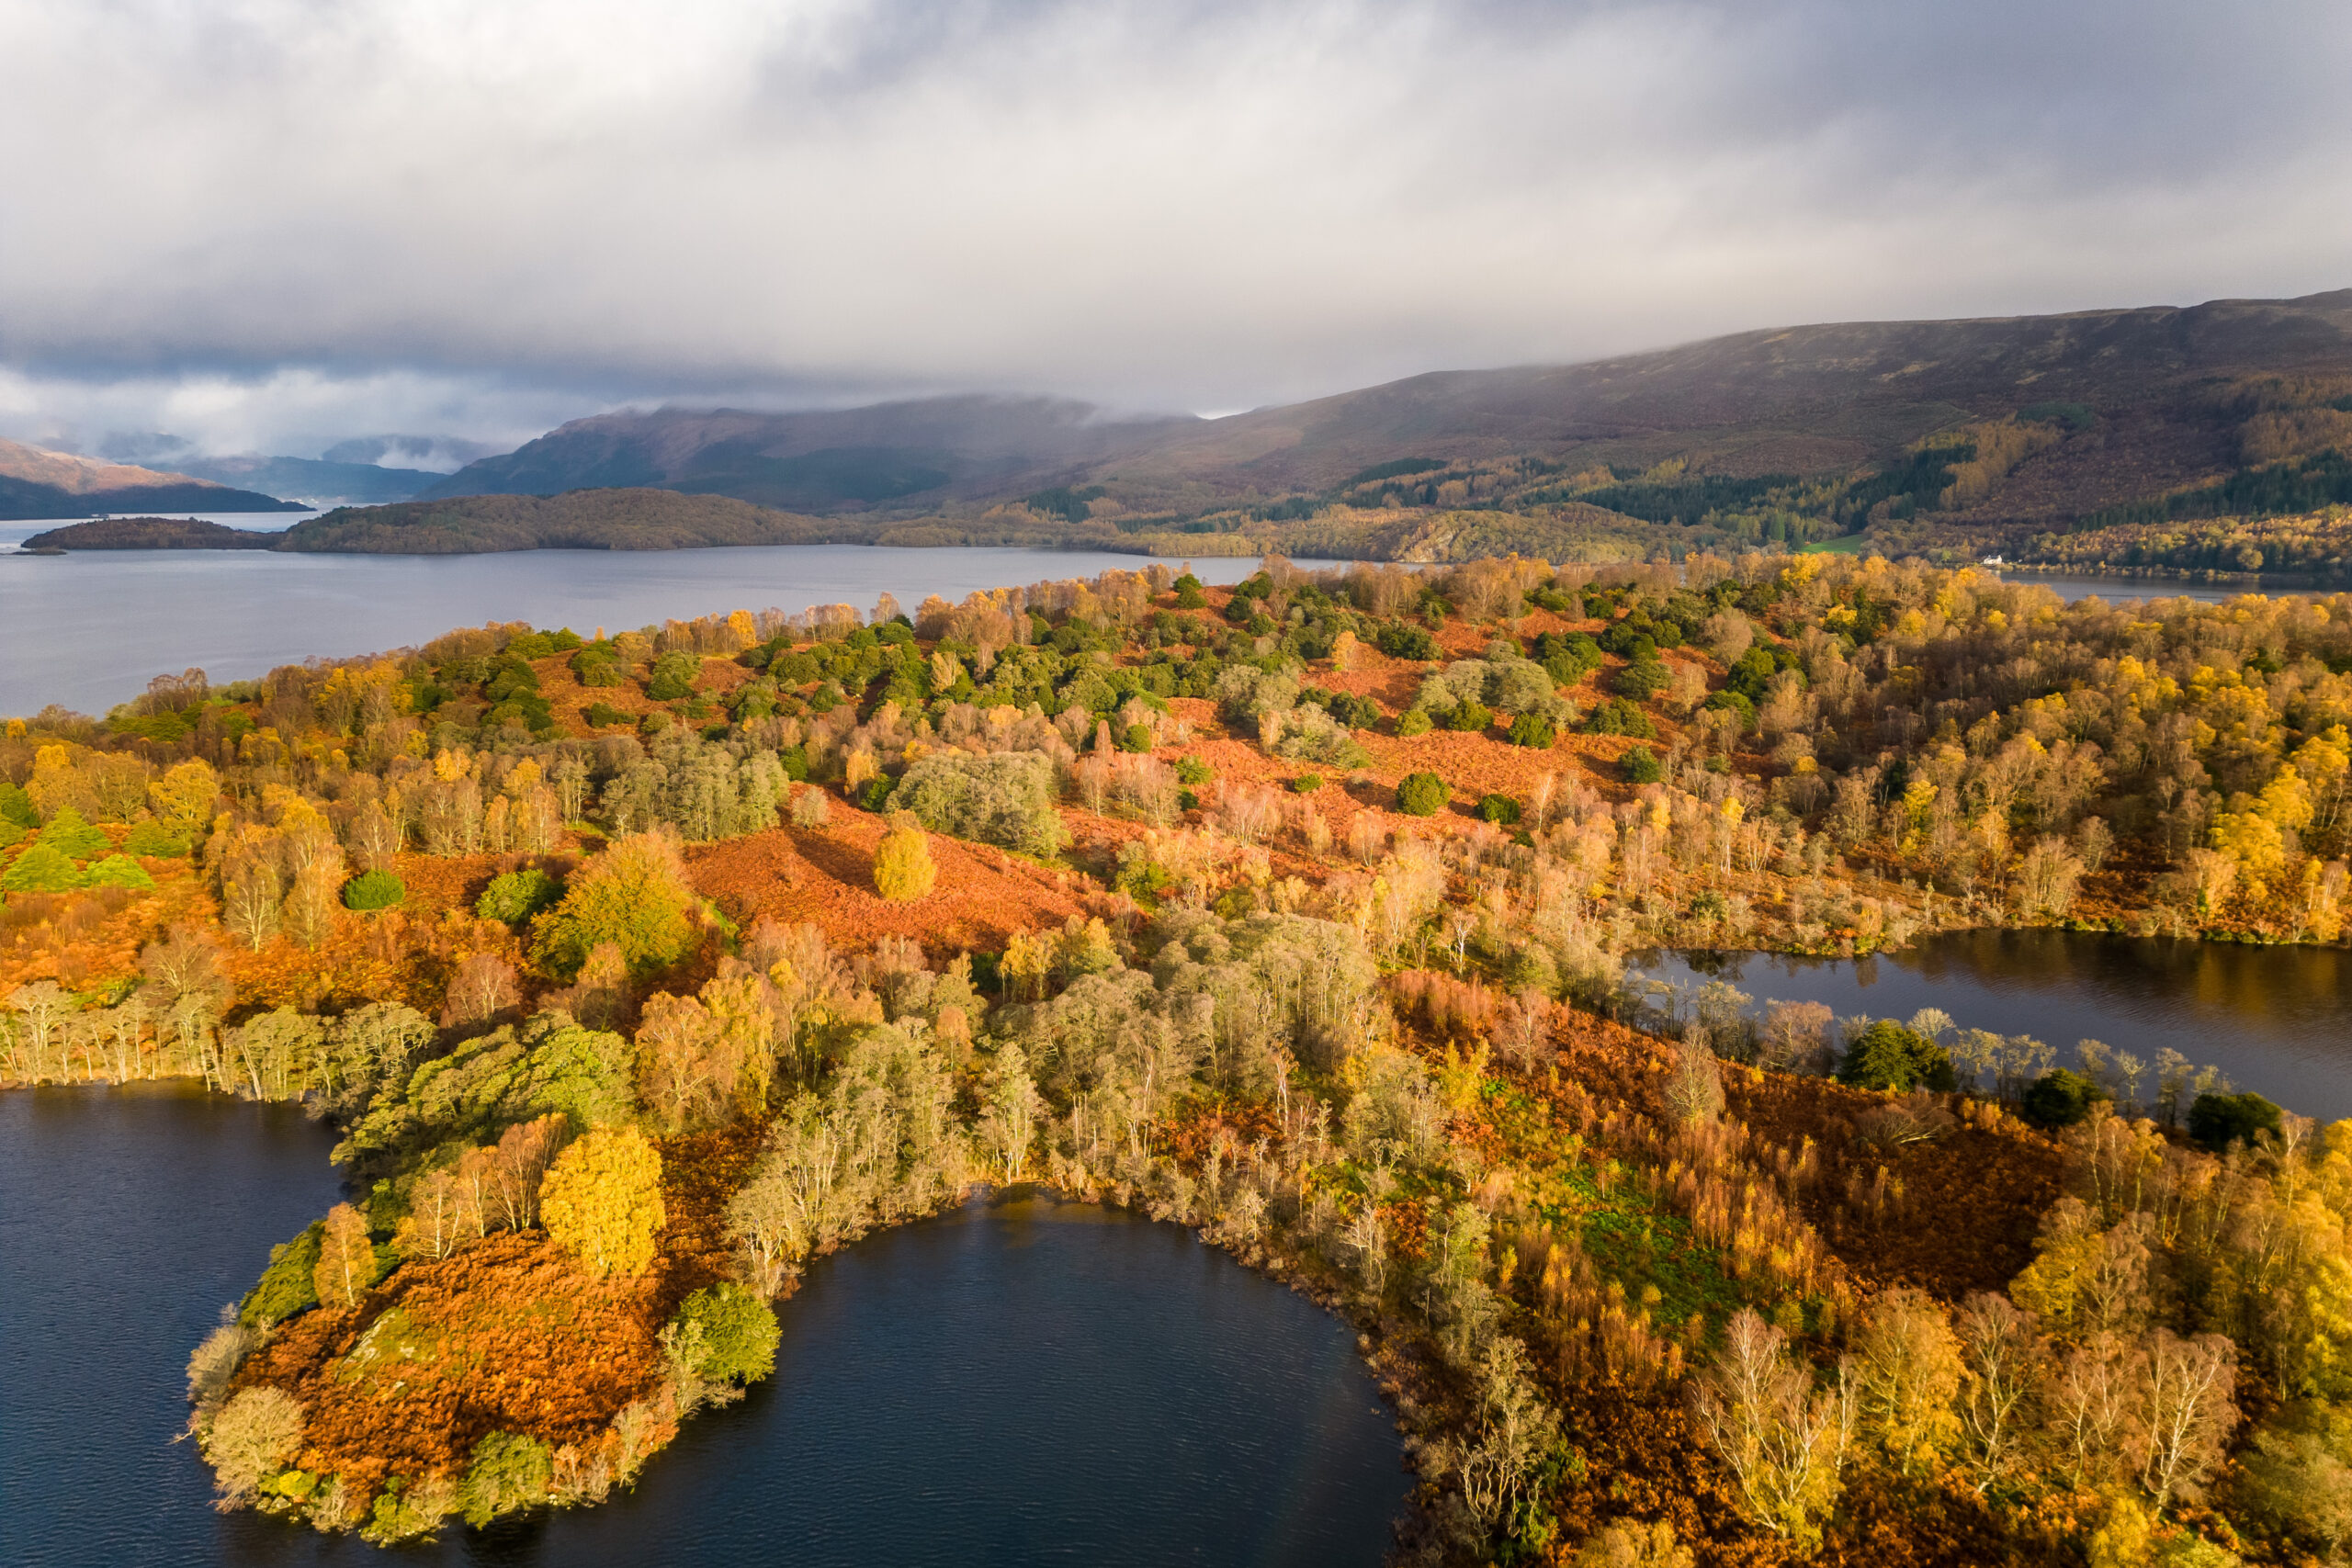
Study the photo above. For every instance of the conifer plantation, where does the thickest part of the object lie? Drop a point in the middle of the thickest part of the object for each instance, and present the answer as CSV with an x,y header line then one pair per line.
x,y
636,973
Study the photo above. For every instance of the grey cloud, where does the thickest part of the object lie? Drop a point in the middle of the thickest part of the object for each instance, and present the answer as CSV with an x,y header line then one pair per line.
x,y
280,220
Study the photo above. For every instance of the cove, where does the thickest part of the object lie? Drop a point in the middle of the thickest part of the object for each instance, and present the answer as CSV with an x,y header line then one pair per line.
x,y
2277,1019
1020,1381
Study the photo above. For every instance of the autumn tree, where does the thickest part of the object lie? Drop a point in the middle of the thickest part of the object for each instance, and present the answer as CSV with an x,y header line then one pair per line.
x,y
633,896
1783,1441
602,1201
1906,1375
903,870
346,1265
252,1438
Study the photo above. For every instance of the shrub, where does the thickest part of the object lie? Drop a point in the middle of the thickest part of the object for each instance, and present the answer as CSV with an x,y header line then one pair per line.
x,y
903,864
1532,730
1136,738
1423,794
41,869
2217,1121
1500,809
1189,594
1641,767
1006,798
1618,717
633,896
378,889
510,1472
602,1201
1193,771
1470,716
1306,784
1400,640
1311,735
117,871
600,714
1735,702
151,840
516,896
2060,1099
1888,1056
1416,721
738,1333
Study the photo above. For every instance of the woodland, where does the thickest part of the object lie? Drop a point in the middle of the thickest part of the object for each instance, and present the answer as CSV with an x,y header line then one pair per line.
x,y
636,972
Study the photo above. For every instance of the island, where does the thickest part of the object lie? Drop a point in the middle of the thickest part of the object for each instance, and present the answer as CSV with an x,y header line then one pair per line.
x,y
636,972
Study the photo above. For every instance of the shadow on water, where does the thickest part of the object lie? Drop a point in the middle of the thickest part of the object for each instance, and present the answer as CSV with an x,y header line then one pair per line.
x,y
1024,1381
2277,1019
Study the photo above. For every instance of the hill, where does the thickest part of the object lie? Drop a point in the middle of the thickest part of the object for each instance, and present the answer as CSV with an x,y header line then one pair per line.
x,y
35,482
1919,430
920,454
315,482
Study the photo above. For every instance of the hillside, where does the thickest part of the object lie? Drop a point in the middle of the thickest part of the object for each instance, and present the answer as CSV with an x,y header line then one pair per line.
x,y
35,482
1920,428
922,453
319,483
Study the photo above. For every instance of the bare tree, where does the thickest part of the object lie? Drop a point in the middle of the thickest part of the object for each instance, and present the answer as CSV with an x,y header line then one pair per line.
x,y
1784,1442
2184,1413
2000,1357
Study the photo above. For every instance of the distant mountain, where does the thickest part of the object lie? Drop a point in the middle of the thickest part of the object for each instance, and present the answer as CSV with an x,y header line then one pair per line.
x,y
906,456
319,484
35,482
2127,406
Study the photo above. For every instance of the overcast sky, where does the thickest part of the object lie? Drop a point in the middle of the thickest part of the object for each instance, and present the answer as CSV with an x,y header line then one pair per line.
x,y
274,224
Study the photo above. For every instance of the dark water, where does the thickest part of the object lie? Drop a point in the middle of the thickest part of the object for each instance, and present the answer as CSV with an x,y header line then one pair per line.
x,y
89,630
1025,1382
2277,1019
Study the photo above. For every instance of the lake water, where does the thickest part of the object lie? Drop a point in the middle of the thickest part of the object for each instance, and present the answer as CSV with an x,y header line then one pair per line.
x,y
90,628
1028,1382
2277,1019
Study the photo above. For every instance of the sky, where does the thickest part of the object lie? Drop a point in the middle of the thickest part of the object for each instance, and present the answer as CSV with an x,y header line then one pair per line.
x,y
283,225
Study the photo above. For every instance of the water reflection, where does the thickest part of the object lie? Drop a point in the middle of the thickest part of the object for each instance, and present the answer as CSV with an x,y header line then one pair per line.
x,y
2277,1019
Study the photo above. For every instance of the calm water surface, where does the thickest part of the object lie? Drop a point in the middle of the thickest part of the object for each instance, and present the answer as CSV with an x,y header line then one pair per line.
x,y
2277,1019
89,630
1024,1382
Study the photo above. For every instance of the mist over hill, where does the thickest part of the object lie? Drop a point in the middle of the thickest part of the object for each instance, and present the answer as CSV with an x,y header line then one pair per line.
x,y
2119,407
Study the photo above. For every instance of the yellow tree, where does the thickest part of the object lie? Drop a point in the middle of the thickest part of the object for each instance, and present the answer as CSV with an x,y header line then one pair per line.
x,y
602,1201
902,863
184,796
346,1265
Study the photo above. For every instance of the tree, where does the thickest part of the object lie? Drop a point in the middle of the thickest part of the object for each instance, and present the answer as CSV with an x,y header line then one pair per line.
x,y
378,889
346,1264
70,834
1009,1123
2000,1357
1888,1056
517,895
738,1333
253,1436
903,871
2060,1099
1784,1442
510,1472
1632,1545
1906,1374
483,988
2184,1413
1423,794
602,1201
2217,1121
41,869
185,796
633,896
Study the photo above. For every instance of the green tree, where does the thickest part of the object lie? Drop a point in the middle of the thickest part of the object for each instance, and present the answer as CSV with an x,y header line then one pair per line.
x,y
41,869
517,895
69,833
510,1472
1888,1056
290,1285
2060,1099
1423,794
602,1201
2217,1121
378,889
1641,766
738,1333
